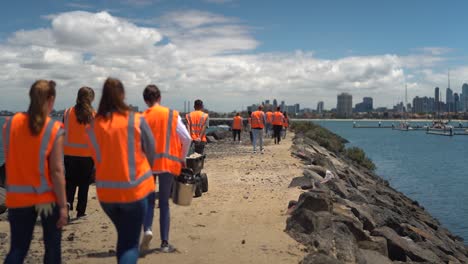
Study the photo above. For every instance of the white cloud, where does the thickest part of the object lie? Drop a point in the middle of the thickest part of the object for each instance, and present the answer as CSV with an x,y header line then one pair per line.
x,y
204,57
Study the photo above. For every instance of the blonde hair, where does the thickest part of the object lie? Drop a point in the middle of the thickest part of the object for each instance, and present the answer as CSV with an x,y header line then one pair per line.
x,y
39,93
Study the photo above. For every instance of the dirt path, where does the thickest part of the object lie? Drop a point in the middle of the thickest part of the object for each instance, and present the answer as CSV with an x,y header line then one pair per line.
x,y
240,220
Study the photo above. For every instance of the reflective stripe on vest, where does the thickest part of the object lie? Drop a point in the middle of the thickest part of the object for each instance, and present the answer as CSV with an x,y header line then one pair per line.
x,y
92,138
42,160
131,159
166,153
66,143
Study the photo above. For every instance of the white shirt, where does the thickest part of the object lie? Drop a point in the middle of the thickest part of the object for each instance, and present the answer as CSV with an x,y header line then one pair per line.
x,y
184,137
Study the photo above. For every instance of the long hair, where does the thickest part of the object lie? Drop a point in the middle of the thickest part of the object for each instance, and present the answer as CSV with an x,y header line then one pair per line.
x,y
112,98
39,93
83,108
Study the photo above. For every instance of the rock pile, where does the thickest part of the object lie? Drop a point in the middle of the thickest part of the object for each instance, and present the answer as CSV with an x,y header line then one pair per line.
x,y
358,218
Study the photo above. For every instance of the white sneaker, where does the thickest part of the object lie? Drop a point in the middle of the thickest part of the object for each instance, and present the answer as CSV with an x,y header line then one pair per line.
x,y
146,241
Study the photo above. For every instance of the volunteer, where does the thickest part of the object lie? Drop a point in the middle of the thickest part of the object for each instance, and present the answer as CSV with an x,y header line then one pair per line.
x,y
172,145
79,165
197,122
123,145
35,182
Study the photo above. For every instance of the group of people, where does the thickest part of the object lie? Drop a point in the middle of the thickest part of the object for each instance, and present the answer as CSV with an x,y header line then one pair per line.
x,y
122,151
274,124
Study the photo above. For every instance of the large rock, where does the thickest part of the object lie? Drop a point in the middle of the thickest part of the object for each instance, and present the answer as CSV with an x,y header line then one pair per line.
x,y
378,244
218,134
320,259
315,200
400,248
372,257
300,182
306,221
211,139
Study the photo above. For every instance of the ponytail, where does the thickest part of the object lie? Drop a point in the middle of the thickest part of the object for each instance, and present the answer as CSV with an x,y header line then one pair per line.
x,y
84,109
40,92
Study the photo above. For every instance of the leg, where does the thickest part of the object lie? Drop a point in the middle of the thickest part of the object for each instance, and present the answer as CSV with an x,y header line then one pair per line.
x,y
255,133
86,171
71,190
165,184
251,136
127,219
261,139
234,135
70,179
52,237
149,215
239,135
22,222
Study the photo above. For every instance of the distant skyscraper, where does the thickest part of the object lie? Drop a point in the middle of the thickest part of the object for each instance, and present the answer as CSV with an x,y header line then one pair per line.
x,y
297,108
283,106
320,106
456,103
436,94
365,106
465,97
275,103
449,100
344,106
267,101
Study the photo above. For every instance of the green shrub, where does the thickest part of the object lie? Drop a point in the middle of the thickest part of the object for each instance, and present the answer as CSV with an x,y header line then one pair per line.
x,y
359,156
322,136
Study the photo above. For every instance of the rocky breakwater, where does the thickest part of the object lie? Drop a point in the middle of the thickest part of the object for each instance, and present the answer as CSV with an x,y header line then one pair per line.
x,y
355,216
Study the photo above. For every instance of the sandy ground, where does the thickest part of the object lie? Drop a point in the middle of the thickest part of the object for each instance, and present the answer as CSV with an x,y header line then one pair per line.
x,y
239,220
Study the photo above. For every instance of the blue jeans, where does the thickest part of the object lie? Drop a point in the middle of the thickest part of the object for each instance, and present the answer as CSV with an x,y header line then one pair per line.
x,y
22,221
257,134
165,185
127,219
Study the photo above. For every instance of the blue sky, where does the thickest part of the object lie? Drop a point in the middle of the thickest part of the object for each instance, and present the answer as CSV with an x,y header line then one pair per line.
x,y
234,53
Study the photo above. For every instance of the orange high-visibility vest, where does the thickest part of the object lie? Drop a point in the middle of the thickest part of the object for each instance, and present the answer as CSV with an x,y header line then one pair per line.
x,y
237,123
196,120
163,124
258,119
269,117
76,141
123,173
277,119
28,180
286,121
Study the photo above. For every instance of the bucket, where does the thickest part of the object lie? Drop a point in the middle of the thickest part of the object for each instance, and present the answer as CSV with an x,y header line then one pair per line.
x,y
182,193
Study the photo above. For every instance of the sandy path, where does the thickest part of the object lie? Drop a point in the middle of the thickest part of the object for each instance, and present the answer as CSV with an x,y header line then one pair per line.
x,y
239,220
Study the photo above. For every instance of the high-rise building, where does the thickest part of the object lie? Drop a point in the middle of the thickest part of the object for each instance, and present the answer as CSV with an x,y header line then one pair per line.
x,y
456,103
283,106
465,97
436,94
365,106
275,104
344,106
423,104
320,106
297,108
449,100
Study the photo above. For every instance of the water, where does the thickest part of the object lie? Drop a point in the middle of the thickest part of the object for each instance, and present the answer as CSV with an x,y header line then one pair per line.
x,y
428,168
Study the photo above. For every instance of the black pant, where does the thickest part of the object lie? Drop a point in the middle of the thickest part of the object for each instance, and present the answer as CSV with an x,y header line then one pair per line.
x,y
277,133
78,174
251,136
236,132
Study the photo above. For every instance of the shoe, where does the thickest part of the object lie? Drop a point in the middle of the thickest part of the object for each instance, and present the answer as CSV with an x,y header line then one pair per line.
x,y
262,151
254,152
146,241
166,247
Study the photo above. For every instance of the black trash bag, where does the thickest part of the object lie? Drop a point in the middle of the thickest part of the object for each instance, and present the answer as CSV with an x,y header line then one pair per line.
x,y
186,176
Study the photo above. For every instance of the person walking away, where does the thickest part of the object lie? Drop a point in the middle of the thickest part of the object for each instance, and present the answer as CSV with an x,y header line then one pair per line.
x,y
285,124
237,127
249,125
122,145
173,143
197,122
258,124
277,121
79,165
35,182
269,119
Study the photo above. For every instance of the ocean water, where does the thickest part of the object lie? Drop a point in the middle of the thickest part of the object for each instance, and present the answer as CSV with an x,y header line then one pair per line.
x,y
428,168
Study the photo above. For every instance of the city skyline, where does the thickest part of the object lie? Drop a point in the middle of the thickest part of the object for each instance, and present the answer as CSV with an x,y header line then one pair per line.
x,y
232,53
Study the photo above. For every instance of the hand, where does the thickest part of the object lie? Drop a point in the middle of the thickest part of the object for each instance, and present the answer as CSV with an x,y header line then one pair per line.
x,y
63,217
198,139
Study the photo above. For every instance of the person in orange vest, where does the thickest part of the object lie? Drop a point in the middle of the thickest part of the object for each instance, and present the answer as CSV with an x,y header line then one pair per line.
x,y
285,124
173,143
258,124
237,127
79,165
35,182
268,125
123,148
197,122
277,121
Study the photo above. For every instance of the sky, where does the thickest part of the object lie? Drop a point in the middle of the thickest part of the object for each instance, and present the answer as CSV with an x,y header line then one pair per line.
x,y
234,53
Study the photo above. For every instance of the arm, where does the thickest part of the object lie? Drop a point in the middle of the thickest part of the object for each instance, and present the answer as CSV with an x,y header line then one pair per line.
x,y
206,124
58,178
147,141
184,137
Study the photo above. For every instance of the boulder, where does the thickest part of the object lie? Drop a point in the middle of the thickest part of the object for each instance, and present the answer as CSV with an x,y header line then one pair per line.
x,y
300,182
306,221
315,200
372,257
211,139
218,134
319,258
378,244
401,249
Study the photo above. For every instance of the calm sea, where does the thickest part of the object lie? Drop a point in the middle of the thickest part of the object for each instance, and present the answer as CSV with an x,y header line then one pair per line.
x,y
430,169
